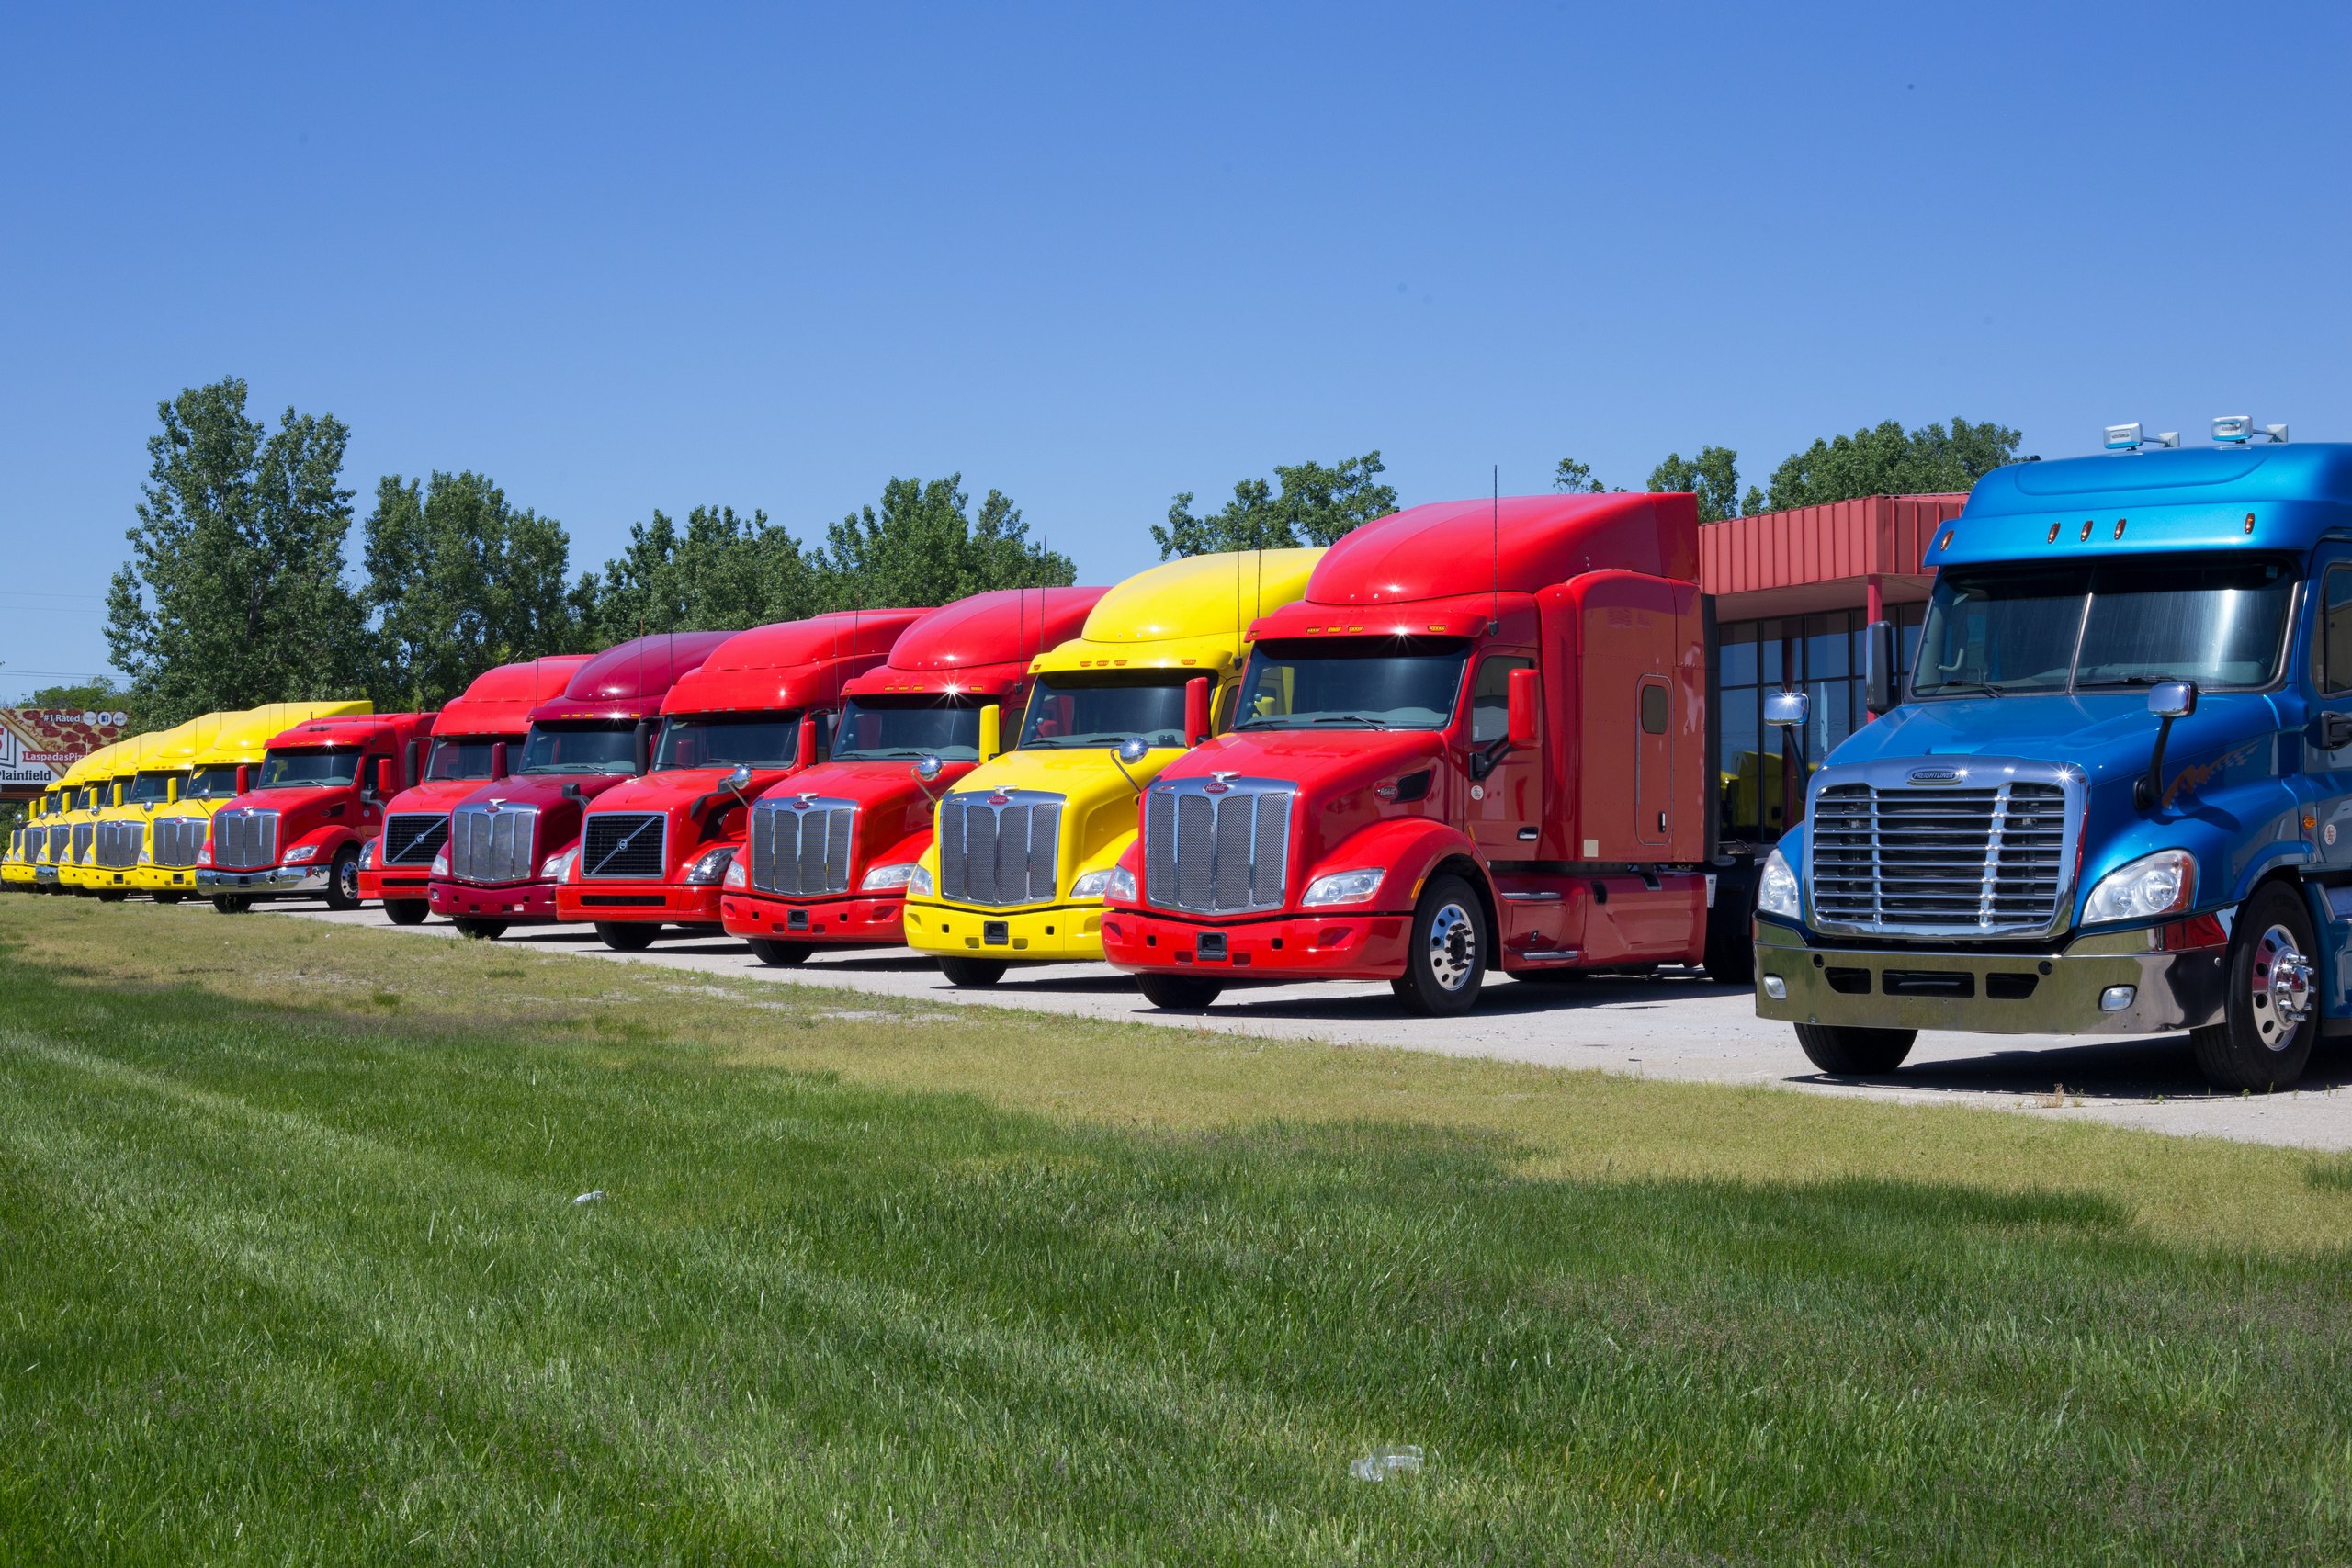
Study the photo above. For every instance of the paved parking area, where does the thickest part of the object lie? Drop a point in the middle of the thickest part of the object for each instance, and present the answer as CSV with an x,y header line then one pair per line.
x,y
1669,1028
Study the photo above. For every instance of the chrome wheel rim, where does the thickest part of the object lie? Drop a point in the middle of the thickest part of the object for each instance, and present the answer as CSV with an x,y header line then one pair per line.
x,y
347,881
1453,947
2282,985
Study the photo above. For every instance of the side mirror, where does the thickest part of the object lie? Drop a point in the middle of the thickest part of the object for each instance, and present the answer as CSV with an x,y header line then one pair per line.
x,y
641,748
171,792
928,768
1878,668
2167,700
244,778
387,778
1787,710
1196,710
741,779
803,754
991,732
1134,750
411,773
2172,699
1521,723
497,760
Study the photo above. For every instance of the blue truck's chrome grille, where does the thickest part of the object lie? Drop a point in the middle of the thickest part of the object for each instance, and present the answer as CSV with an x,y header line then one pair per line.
x,y
1217,847
1990,854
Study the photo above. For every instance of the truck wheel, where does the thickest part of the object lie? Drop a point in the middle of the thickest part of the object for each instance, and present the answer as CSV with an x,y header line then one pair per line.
x,y
342,881
406,911
1730,956
233,903
1446,960
1178,993
111,895
628,936
2269,1011
972,972
169,898
470,928
1846,1053
780,954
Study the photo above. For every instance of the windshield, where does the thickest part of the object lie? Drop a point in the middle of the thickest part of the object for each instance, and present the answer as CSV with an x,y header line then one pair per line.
x,y
2219,621
460,757
1393,684
1067,710
146,789
608,747
873,729
217,783
309,770
727,740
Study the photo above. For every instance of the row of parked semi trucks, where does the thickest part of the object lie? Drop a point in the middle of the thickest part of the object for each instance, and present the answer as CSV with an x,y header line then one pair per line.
x,y
1470,737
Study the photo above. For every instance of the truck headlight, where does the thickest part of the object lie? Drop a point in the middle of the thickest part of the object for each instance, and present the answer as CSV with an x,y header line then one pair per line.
x,y
883,878
557,868
368,855
204,855
2160,884
1343,887
1091,886
1776,888
300,853
441,863
738,873
1122,885
919,882
709,866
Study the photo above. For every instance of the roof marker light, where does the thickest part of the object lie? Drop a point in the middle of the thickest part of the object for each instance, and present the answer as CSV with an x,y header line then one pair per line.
x,y
2118,525
1946,543
2132,437
2085,537
2053,535
2237,429
2249,521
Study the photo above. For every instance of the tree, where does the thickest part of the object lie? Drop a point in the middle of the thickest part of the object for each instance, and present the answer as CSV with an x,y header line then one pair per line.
x,y
921,548
1887,461
459,580
1713,475
233,595
1316,505
724,572
1575,478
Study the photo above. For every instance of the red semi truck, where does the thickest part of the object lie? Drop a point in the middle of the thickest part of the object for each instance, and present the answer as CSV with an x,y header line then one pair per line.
x,y
830,849
295,831
654,850
1479,742
477,735
508,839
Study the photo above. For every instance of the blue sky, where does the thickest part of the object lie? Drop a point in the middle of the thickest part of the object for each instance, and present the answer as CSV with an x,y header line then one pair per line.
x,y
643,258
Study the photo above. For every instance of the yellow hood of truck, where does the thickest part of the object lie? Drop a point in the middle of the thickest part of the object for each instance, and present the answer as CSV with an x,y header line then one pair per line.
x,y
1099,817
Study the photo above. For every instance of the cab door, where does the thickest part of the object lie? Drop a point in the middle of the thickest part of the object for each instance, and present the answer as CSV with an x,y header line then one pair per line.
x,y
2327,768
1507,804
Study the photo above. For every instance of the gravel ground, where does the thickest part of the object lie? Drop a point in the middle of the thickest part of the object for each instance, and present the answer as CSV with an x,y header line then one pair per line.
x,y
1669,1028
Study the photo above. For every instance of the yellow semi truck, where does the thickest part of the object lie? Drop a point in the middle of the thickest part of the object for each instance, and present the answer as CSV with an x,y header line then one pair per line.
x,y
218,768
16,872
1022,847
101,773
158,770
47,852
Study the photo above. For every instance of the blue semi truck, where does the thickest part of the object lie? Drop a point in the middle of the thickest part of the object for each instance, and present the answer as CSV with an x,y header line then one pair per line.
x,y
2115,795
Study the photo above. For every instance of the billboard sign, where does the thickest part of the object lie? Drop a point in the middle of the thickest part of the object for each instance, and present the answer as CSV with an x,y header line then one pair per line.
x,y
37,745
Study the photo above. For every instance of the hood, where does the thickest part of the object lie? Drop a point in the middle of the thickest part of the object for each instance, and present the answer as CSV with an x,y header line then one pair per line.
x,y
1099,816
542,790
677,789
1322,762
433,795
291,802
2106,734
894,811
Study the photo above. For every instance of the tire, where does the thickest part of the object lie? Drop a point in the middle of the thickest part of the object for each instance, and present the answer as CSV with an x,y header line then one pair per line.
x,y
1847,1053
111,895
342,881
1730,957
628,936
169,898
780,954
1445,958
1551,977
233,903
973,972
1178,993
406,911
470,928
2270,1009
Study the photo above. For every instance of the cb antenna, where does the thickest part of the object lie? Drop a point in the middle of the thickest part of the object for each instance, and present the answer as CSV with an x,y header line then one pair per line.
x,y
1495,554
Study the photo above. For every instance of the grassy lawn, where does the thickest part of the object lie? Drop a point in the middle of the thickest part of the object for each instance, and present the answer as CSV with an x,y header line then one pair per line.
x,y
290,1270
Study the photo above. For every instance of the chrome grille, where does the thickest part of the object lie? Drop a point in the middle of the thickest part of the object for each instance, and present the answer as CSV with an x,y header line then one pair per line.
x,y
241,839
624,844
176,840
118,844
999,855
414,837
85,833
59,836
1967,858
801,847
1217,847
485,845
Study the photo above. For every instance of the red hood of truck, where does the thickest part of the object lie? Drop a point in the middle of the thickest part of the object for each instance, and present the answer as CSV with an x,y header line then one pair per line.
x,y
1322,762
433,795
872,783
542,790
677,789
289,803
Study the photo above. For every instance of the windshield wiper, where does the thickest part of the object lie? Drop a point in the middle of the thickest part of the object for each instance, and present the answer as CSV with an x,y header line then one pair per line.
x,y
1349,718
2125,681
1949,688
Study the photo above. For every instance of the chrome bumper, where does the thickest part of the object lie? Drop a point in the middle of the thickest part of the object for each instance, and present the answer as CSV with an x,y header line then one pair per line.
x,y
2056,992
270,879
45,875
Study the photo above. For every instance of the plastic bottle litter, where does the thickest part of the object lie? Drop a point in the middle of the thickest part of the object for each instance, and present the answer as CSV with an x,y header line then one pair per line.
x,y
596,1197
1403,1459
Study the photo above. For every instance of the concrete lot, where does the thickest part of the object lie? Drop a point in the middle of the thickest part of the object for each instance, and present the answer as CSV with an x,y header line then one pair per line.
x,y
1668,1028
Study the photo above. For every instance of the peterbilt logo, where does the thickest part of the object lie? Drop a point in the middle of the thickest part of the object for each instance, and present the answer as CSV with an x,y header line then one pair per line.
x,y
1935,775
1219,782
492,804
802,804
999,798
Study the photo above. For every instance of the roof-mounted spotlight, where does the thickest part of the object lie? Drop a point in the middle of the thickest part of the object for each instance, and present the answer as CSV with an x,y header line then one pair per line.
x,y
2129,438
2237,430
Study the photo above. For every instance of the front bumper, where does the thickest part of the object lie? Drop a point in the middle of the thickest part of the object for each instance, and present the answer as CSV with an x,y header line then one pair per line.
x,y
45,876
850,920
475,901
163,878
270,882
1066,934
2053,992
1353,945
376,884
662,903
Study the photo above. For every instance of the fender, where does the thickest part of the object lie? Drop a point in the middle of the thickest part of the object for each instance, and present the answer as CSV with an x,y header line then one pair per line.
x,y
330,839
1409,848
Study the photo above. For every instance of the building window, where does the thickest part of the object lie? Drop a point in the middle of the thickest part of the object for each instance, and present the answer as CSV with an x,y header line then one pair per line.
x,y
1764,772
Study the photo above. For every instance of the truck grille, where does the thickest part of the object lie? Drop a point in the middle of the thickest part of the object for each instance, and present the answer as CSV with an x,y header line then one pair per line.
x,y
999,848
1217,847
242,840
624,844
1942,859
118,844
83,834
801,847
414,837
176,840
485,845
59,836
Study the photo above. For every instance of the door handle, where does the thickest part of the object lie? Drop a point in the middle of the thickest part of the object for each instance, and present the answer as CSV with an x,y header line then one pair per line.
x,y
2334,731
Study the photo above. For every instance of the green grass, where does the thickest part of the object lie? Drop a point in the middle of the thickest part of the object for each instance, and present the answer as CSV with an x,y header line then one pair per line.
x,y
292,1273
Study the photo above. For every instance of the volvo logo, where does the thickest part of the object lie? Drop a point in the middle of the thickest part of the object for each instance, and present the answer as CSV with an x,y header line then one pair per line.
x,y
1935,775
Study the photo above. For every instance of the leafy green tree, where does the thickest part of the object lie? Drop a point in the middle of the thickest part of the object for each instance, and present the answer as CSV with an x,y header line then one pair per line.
x,y
233,594
458,581
1713,475
1575,478
923,546
1314,505
1886,459
722,572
